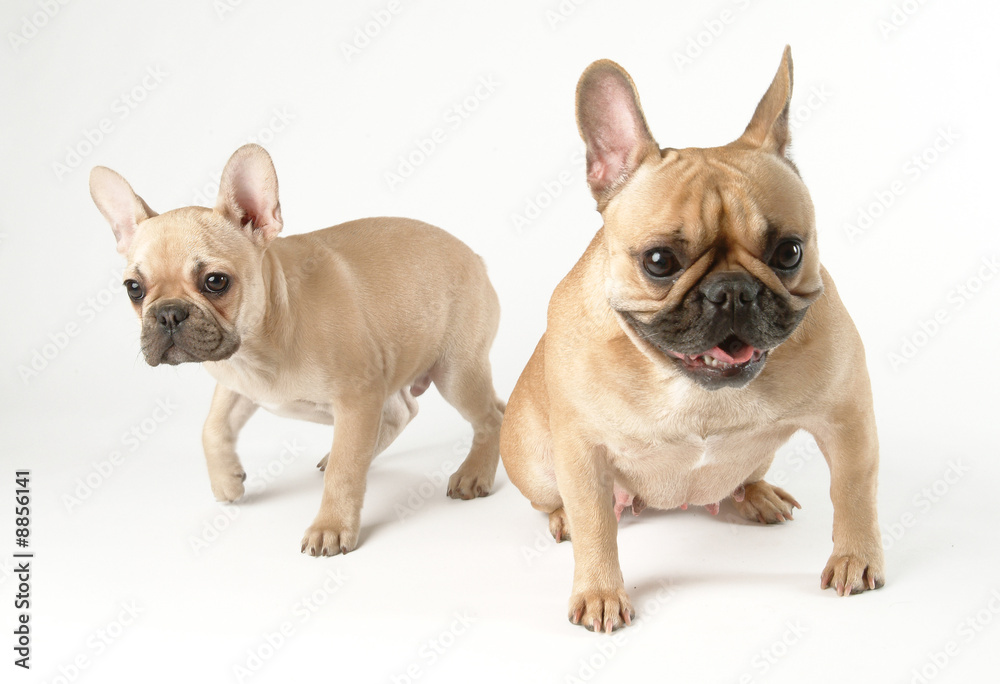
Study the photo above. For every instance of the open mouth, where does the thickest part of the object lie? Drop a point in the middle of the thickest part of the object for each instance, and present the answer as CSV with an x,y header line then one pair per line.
x,y
731,362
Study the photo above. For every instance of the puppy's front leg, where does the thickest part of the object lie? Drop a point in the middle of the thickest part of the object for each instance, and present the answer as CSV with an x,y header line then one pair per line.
x,y
226,417
586,484
850,445
354,441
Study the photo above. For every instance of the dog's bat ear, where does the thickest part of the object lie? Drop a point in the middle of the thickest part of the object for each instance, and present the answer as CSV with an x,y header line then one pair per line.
x,y
248,194
119,204
768,129
613,127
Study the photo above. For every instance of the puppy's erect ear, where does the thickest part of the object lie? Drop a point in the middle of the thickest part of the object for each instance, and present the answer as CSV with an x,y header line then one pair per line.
x,y
612,125
768,129
123,209
248,194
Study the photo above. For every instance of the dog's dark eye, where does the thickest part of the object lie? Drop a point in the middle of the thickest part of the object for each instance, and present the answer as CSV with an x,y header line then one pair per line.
x,y
660,263
135,290
787,256
216,283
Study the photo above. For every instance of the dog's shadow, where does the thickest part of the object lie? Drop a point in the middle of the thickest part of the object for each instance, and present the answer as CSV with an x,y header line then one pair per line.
x,y
650,594
393,493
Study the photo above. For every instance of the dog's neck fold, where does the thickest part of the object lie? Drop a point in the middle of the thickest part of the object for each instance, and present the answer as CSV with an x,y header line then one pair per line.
x,y
276,318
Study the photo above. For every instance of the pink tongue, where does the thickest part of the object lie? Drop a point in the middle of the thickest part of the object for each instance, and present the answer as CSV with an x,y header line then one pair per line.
x,y
742,356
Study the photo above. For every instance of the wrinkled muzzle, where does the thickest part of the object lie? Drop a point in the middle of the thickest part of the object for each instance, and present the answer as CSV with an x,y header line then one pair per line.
x,y
177,331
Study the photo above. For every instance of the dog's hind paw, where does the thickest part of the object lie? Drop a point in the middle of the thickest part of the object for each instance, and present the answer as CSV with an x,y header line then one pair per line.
x,y
764,503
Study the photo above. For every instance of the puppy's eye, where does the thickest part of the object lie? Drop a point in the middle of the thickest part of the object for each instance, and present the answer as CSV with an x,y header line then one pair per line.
x,y
135,290
216,283
660,263
787,256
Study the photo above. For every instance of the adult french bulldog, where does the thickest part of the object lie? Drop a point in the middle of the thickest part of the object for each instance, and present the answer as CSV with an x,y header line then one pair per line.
x,y
695,335
348,323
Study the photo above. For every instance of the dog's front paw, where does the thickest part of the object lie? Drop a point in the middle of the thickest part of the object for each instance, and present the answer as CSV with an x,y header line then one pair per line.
x,y
854,572
228,486
328,537
468,482
601,610
764,503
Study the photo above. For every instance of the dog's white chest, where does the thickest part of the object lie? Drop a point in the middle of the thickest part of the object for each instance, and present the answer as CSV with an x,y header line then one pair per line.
x,y
709,452
690,470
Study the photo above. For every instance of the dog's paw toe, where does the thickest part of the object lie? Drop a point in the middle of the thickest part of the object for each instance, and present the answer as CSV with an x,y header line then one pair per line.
x,y
469,485
764,503
559,525
602,610
852,573
328,539
229,487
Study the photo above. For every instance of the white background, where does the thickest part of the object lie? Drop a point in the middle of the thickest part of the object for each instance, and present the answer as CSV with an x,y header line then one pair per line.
x,y
717,601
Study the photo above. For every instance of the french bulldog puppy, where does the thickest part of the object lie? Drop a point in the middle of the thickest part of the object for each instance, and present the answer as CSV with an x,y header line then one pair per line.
x,y
695,335
349,323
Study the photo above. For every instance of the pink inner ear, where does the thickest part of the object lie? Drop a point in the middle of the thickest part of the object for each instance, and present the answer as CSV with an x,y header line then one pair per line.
x,y
249,195
611,127
119,204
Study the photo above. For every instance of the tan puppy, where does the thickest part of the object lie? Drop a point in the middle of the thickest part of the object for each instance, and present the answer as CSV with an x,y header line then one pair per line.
x,y
696,334
347,323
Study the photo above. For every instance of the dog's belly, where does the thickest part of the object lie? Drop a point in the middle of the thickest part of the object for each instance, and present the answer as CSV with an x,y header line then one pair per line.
x,y
302,410
694,470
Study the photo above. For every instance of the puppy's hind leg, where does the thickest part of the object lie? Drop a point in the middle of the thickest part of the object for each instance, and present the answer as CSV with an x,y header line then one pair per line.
x,y
228,414
399,409
526,446
467,384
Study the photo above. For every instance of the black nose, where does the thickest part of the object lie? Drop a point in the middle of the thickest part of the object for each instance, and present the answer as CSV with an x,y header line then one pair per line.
x,y
730,290
170,317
